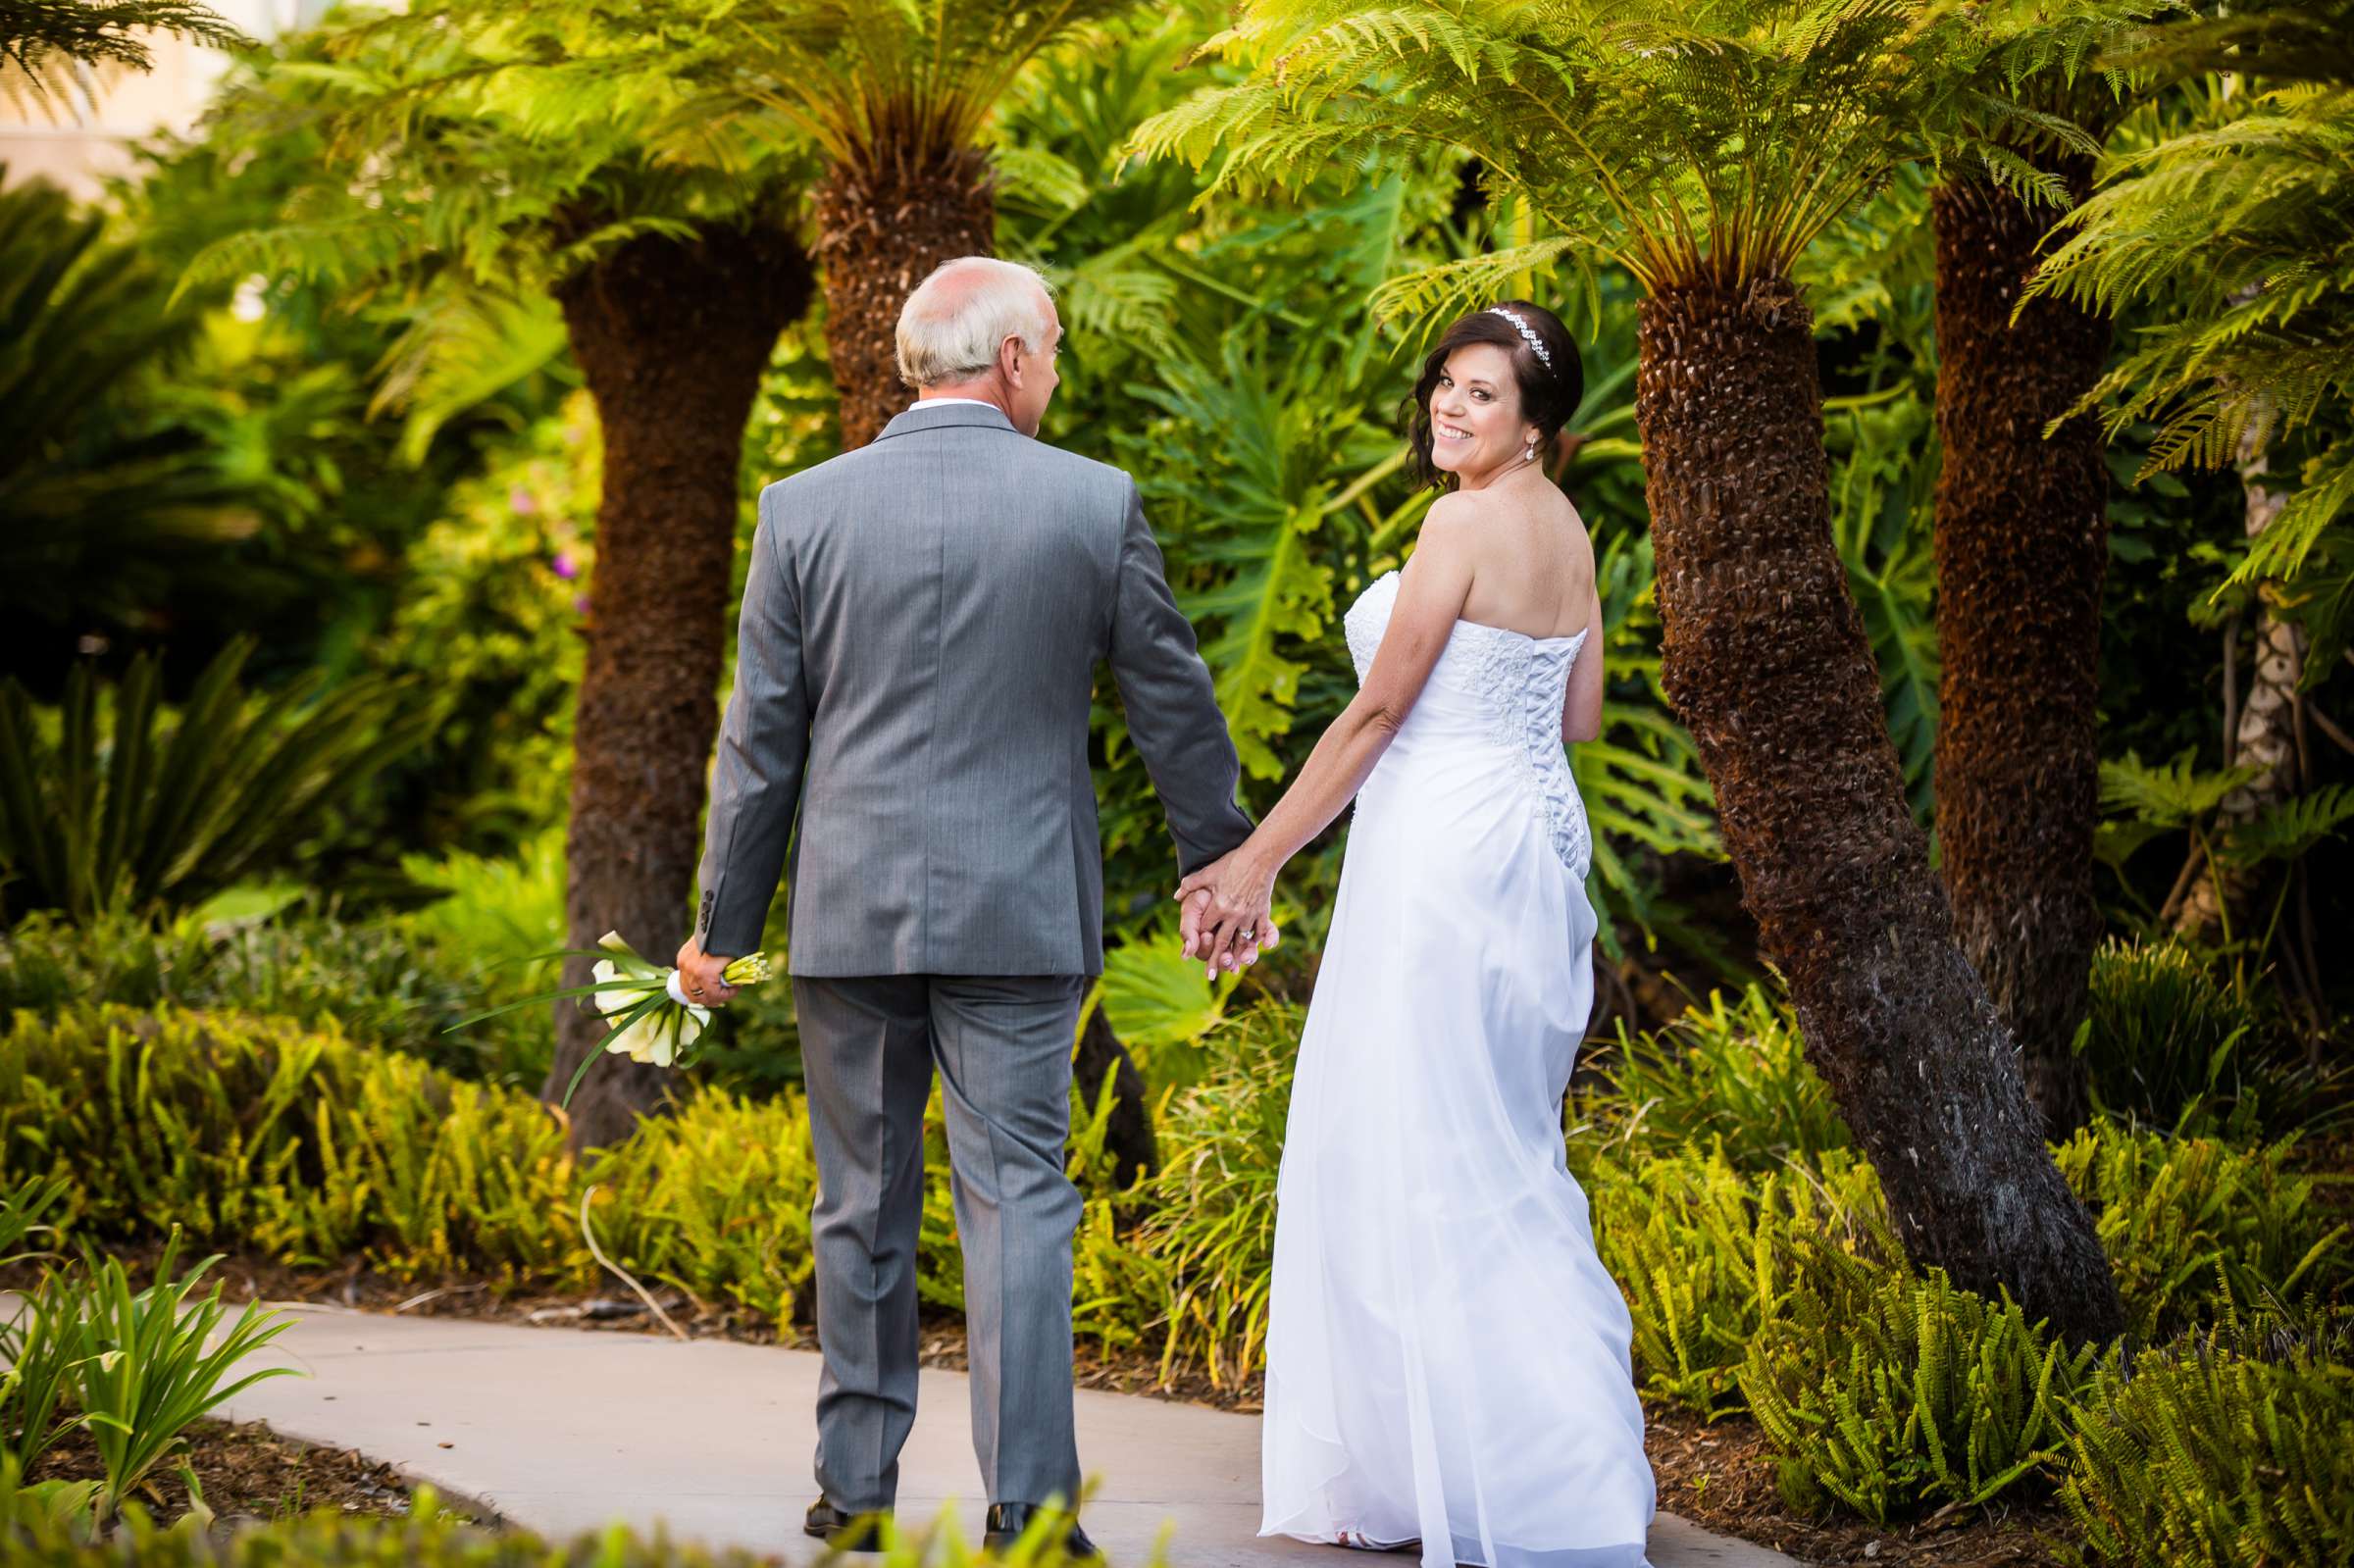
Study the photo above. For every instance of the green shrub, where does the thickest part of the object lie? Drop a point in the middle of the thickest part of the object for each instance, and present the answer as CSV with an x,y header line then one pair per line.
x,y
456,1176
373,980
1208,1229
165,1120
490,617
1705,1253
2167,1042
1119,1292
47,962
716,1201
262,1133
1732,1072
1905,1392
493,908
23,1216
2185,1220
2200,1456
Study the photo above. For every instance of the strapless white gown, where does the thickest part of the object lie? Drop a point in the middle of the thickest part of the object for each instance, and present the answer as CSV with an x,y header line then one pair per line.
x,y
1446,1360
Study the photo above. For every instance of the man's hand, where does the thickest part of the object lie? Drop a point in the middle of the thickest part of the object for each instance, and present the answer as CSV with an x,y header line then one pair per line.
x,y
699,976
1226,920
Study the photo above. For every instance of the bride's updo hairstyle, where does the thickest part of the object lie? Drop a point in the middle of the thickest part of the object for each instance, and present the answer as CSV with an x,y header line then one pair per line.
x,y
1545,362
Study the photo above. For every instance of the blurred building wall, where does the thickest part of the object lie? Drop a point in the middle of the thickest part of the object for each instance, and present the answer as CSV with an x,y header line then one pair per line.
x,y
62,138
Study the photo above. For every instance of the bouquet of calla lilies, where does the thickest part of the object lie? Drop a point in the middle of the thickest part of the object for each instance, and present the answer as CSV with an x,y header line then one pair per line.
x,y
652,1020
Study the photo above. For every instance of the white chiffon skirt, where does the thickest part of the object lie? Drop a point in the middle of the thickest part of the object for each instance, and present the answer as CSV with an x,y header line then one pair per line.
x,y
1447,1361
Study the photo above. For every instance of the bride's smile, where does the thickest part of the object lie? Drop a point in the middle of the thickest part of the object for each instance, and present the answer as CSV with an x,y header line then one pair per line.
x,y
1477,434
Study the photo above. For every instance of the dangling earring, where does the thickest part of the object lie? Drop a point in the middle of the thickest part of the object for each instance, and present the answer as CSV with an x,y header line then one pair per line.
x,y
1530,456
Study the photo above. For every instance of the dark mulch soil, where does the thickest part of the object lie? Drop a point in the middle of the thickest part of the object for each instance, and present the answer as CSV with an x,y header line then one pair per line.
x,y
1718,1475
245,1471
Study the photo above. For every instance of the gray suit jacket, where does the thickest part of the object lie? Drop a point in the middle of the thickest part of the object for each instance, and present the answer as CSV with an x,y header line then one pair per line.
x,y
913,674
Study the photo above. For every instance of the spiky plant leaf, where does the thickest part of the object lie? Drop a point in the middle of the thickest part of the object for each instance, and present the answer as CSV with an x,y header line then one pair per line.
x,y
145,809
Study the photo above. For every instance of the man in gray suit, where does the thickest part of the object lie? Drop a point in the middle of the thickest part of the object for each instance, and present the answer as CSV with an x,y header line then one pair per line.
x,y
915,660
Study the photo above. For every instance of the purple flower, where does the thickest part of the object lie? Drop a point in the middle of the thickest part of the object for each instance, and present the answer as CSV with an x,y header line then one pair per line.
x,y
519,500
580,603
565,566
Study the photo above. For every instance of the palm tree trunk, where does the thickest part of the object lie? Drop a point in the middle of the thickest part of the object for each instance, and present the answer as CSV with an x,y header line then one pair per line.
x,y
1765,658
881,231
1128,1136
2218,899
673,337
2022,542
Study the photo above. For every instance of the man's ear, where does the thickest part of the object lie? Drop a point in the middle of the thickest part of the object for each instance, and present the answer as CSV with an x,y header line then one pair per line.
x,y
1010,361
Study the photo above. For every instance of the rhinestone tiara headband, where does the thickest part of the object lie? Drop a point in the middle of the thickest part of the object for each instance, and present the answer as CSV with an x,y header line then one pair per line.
x,y
1528,333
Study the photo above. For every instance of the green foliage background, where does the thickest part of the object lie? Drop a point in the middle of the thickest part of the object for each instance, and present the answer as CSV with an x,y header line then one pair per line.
x,y
397,481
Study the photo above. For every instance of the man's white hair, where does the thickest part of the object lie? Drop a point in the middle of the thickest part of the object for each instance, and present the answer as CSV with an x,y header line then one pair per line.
x,y
953,326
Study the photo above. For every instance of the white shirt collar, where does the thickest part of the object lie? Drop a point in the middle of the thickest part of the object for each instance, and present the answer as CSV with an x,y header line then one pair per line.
x,y
944,402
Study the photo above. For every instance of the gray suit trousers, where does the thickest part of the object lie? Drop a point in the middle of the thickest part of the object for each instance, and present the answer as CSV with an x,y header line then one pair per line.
x,y
1002,1046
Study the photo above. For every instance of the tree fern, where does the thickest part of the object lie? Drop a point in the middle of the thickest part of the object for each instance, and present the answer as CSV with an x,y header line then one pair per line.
x,y
459,351
47,52
475,157
1438,292
867,83
2239,227
1633,132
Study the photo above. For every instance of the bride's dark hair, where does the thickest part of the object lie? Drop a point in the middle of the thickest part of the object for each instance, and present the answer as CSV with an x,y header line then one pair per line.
x,y
1549,393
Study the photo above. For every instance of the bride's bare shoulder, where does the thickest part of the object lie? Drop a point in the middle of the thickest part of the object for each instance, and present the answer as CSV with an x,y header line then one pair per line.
x,y
1455,507
1453,520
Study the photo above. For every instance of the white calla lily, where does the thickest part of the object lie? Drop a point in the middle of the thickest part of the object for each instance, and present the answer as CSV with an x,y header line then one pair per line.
x,y
662,1022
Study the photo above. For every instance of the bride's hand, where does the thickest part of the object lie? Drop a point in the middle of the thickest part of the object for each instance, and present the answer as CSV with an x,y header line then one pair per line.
x,y
1227,916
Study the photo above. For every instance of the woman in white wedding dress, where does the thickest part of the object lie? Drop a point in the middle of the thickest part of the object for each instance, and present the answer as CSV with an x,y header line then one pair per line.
x,y
1447,1362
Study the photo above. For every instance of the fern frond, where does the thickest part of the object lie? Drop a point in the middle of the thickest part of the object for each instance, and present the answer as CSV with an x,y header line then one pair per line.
x,y
2291,828
1426,297
2173,794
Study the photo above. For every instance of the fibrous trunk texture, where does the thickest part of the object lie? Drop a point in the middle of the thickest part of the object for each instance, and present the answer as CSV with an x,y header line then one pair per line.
x,y
2218,899
2022,542
881,231
1128,1134
1765,658
673,337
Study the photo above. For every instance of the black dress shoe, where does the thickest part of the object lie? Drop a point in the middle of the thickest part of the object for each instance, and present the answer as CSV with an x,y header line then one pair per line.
x,y
1007,1520
850,1532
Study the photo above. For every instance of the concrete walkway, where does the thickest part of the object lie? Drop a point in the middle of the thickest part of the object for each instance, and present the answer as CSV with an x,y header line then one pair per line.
x,y
562,1430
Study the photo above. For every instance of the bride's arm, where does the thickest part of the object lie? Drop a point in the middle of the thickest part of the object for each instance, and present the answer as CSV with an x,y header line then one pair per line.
x,y
1581,708
1431,593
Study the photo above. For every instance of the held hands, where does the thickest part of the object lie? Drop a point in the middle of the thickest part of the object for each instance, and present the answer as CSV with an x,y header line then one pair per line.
x,y
700,975
1226,917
